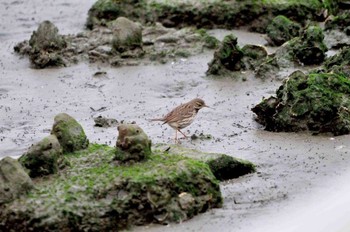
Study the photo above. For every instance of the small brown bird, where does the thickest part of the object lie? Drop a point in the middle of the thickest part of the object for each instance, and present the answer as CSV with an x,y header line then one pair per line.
x,y
183,115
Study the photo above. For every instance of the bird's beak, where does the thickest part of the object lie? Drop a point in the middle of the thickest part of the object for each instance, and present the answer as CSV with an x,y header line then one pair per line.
x,y
207,106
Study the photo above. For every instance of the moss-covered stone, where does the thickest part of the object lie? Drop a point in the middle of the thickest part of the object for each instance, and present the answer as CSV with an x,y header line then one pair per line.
x,y
310,48
127,35
317,102
207,14
45,46
94,194
43,158
228,57
254,56
69,133
282,29
340,22
14,181
339,63
132,144
223,166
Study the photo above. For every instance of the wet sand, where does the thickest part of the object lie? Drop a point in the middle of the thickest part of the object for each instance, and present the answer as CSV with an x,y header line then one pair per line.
x,y
295,171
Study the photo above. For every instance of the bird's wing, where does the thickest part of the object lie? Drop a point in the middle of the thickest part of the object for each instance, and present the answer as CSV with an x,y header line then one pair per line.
x,y
175,113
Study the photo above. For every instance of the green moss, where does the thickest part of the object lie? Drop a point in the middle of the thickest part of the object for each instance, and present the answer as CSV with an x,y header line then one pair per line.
x,y
315,102
69,133
282,29
97,194
203,14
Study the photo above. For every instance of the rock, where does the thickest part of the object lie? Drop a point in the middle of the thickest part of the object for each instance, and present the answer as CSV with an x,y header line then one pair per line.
x,y
339,63
186,201
133,144
46,38
254,55
282,29
105,122
223,166
69,133
228,57
310,48
45,46
42,158
127,35
208,14
95,195
316,102
340,22
14,181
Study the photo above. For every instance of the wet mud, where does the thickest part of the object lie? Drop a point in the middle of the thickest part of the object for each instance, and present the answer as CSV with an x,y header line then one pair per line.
x,y
293,169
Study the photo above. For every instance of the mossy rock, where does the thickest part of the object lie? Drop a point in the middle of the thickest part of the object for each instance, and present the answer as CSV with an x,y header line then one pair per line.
x,y
45,46
339,63
95,194
132,144
227,58
69,133
318,102
340,22
310,49
282,29
254,56
14,181
206,14
42,158
127,35
223,166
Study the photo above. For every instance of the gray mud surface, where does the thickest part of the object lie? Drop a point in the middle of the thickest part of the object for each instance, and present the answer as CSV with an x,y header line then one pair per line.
x,y
297,173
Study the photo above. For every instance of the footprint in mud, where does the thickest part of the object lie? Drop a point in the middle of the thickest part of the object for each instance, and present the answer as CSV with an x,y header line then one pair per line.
x,y
177,89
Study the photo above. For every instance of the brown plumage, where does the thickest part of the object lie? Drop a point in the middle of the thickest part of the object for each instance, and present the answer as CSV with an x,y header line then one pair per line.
x,y
183,115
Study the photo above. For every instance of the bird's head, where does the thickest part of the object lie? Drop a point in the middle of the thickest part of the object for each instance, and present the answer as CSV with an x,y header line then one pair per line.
x,y
199,103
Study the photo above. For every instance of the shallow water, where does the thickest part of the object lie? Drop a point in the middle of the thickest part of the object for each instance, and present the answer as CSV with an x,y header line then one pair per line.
x,y
295,171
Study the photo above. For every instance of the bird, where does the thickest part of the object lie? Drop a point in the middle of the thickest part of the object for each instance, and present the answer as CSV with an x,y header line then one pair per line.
x,y
182,115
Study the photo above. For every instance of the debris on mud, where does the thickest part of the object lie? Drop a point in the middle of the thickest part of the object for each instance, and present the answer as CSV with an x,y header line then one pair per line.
x,y
122,42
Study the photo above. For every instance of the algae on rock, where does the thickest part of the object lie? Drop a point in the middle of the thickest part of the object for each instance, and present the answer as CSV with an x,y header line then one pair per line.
x,y
229,57
43,158
45,46
282,29
14,181
132,144
69,133
318,102
96,195
223,166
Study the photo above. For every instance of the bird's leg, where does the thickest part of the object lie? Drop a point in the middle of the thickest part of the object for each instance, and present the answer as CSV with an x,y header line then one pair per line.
x,y
175,136
182,134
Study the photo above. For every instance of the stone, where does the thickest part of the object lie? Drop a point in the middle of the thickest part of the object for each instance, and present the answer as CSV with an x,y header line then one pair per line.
x,y
94,194
282,29
317,102
228,57
133,144
127,35
42,158
46,45
101,121
69,133
224,167
14,181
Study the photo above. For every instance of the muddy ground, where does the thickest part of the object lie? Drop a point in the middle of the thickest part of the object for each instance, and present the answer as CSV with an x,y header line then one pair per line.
x,y
300,178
